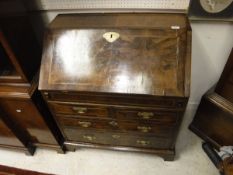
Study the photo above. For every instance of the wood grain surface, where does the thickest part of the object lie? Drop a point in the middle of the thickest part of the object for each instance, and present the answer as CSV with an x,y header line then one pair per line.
x,y
118,81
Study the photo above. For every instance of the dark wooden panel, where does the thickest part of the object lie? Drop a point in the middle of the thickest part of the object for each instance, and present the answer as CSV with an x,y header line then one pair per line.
x,y
225,85
14,137
24,106
169,103
25,114
15,90
43,108
7,137
214,120
119,20
11,72
21,104
21,45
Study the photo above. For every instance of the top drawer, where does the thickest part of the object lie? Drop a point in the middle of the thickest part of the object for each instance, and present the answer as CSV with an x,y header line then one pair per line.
x,y
114,112
78,109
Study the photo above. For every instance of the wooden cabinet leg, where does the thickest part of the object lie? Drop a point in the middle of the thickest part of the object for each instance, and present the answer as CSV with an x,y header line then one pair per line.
x,y
30,150
71,147
169,158
62,150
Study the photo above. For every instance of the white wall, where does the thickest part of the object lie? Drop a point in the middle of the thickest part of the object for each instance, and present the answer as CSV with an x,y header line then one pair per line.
x,y
108,4
211,46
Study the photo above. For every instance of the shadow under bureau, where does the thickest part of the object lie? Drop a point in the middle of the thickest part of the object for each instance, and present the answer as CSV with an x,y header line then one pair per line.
x,y
118,81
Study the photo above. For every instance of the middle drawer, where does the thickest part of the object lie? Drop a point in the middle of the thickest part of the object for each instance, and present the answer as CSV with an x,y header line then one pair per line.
x,y
116,125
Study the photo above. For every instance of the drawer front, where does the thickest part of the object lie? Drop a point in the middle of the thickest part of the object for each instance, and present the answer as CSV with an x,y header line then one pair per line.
x,y
115,112
116,138
113,99
82,110
145,127
147,114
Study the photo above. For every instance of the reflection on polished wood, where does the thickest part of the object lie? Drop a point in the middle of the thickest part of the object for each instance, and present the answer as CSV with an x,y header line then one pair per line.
x,y
118,81
142,61
89,62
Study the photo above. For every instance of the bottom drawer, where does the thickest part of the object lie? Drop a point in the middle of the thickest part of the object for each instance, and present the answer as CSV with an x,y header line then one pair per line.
x,y
115,138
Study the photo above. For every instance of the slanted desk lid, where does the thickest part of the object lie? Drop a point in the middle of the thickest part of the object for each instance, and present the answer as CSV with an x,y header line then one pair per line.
x,y
117,53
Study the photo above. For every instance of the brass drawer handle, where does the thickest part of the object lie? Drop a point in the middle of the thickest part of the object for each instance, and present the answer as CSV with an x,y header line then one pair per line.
x,y
89,138
84,124
143,142
46,94
144,128
115,136
113,123
80,110
145,115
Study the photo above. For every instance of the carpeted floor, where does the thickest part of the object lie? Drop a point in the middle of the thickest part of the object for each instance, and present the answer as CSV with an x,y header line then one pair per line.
x,y
190,160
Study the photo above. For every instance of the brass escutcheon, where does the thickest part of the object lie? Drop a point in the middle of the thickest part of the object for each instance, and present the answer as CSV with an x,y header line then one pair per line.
x,y
111,36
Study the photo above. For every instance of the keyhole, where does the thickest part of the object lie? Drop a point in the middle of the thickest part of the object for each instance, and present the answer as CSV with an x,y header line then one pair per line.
x,y
111,36
18,110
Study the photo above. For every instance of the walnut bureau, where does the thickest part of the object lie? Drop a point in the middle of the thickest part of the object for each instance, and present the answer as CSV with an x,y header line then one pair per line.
x,y
118,81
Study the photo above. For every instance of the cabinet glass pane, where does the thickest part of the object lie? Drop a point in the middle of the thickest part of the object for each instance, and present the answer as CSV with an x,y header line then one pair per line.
x,y
6,67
